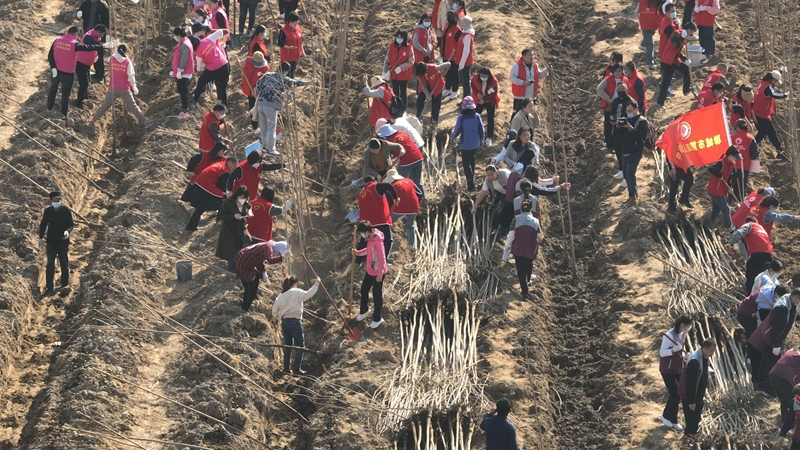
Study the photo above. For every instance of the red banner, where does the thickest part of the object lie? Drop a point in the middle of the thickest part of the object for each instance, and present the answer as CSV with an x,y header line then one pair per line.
x,y
697,138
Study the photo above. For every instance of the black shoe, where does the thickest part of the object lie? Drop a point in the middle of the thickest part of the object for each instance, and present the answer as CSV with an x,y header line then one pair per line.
x,y
672,209
299,372
287,371
48,292
686,203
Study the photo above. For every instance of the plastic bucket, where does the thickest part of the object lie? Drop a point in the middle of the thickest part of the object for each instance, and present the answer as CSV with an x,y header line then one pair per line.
x,y
695,54
184,269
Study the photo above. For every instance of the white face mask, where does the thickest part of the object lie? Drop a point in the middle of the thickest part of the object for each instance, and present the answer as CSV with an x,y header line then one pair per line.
x,y
177,39
426,24
398,40
221,117
364,235
255,166
240,201
264,37
484,79
673,15
718,95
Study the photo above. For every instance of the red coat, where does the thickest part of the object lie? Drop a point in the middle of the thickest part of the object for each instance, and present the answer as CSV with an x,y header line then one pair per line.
x,y
632,77
406,192
294,38
433,81
207,142
261,223
763,106
209,177
712,78
250,76
380,109
399,55
250,177
746,106
478,90
373,207
663,41
649,18
716,186
413,154
706,98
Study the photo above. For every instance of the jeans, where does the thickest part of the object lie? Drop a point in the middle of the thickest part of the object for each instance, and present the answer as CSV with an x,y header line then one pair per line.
x,y
370,282
688,180
292,335
436,106
468,162
414,173
767,129
231,267
267,121
220,79
244,8
250,291
65,80
387,239
629,164
647,41
465,75
451,77
58,250
783,389
410,231
667,71
127,99
707,40
719,204
82,75
755,265
489,117
692,417
183,91
671,381
524,271
400,89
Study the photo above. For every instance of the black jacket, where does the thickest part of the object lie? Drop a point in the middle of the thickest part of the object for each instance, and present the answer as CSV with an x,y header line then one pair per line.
x,y
101,14
780,325
631,140
56,223
692,368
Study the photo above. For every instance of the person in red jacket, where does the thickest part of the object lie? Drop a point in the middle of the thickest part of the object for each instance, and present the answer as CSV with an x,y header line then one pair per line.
x,y
449,52
211,128
748,148
716,76
671,60
290,40
764,109
711,96
258,43
705,15
742,105
375,203
398,65
198,163
411,159
719,189
209,191
381,95
422,40
649,19
487,94
253,68
264,210
464,54
408,197
637,89
751,203
430,85
248,173
759,249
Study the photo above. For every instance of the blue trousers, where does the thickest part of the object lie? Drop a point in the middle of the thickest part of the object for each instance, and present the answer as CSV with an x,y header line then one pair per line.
x,y
292,335
629,165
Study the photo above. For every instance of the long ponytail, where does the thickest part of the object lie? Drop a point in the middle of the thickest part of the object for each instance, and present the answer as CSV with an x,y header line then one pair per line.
x,y
288,282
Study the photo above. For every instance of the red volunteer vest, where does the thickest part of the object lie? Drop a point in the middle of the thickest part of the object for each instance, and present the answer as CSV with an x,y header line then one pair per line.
x,y
611,88
703,18
763,106
189,69
258,45
759,212
706,98
206,141
712,78
250,76
260,225
632,77
522,71
477,88
88,58
250,178
412,155
449,43
433,81
211,54
435,14
746,106
716,186
663,41
742,140
757,240
380,109
209,177
64,53
119,74
220,12
373,207
649,18
294,38
671,55
409,202
424,37
750,202
399,55
205,161
461,50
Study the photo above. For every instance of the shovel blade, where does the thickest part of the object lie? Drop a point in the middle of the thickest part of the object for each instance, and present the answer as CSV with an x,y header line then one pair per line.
x,y
355,335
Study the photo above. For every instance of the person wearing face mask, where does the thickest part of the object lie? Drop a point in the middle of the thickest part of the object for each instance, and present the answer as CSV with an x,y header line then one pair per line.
x,y
764,109
742,106
669,23
261,224
524,78
272,88
422,40
672,60
182,67
693,384
449,51
211,128
85,61
375,203
290,40
637,89
93,13
198,163
233,234
214,61
705,15
649,19
711,96
616,59
770,275
57,222
248,174
219,20
487,92
769,337
618,119
460,7
63,59
633,134
251,266
718,187
750,203
464,54
671,365
430,87
785,381
258,43
121,84
398,65
607,91
748,148
376,269
759,249
253,69
209,190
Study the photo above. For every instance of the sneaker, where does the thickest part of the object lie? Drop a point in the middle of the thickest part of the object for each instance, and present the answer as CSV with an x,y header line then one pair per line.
x,y
604,144
299,371
184,114
686,203
623,184
703,60
488,142
272,152
651,66
670,93
619,175
149,123
660,106
446,92
374,324
677,427
361,317
454,95
666,422
287,371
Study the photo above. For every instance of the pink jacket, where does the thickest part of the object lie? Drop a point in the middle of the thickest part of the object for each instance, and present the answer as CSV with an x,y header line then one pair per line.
x,y
376,259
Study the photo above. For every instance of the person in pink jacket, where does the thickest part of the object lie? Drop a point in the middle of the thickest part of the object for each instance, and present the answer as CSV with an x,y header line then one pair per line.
x,y
376,269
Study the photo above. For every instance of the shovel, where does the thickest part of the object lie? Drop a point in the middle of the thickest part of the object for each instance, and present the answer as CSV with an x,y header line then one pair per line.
x,y
354,334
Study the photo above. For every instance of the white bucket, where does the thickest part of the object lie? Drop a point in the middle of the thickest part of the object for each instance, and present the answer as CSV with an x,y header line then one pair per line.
x,y
695,54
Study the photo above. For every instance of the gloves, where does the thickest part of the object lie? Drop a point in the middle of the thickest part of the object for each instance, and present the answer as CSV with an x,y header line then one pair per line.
x,y
678,21
490,91
80,14
55,73
41,242
108,44
776,351
397,70
385,75
518,167
188,22
179,75
171,74
265,277
135,90
66,235
684,33
677,349
460,67
686,62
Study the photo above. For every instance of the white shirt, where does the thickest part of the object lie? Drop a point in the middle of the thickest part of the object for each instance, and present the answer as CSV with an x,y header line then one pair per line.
x,y
289,304
668,347
499,184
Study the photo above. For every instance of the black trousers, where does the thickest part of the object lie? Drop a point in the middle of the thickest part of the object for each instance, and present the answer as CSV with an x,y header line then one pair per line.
x,y
58,250
82,75
371,282
250,292
244,9
767,129
671,381
783,389
451,80
479,108
285,7
749,324
506,215
768,360
754,355
755,265
100,66
436,106
468,162
738,181
65,80
400,89
220,79
688,9
251,101
692,417
524,271
674,184
667,71
387,239
292,68
183,91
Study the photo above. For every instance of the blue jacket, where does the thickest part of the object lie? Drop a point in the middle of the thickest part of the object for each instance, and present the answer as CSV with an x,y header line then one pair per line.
x,y
470,128
500,433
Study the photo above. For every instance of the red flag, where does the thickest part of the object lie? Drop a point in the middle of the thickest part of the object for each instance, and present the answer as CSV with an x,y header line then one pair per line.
x,y
697,138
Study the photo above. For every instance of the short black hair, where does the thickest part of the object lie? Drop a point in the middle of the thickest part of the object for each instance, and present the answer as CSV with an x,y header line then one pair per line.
x,y
100,28
709,343
220,107
526,51
253,157
285,66
364,226
770,201
718,86
73,30
231,159
750,219
503,407
690,26
420,68
796,292
292,17
178,31
781,290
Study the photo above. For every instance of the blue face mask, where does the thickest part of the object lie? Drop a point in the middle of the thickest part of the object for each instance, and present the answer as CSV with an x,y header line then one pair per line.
x,y
631,115
56,204
776,276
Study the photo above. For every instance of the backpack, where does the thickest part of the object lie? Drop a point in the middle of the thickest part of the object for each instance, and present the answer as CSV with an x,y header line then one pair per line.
x,y
651,137
395,107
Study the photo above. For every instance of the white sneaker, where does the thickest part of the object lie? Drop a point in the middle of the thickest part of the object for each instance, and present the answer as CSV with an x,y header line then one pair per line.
x,y
272,152
488,142
361,317
619,175
454,95
446,92
666,422
376,324
677,427
624,184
